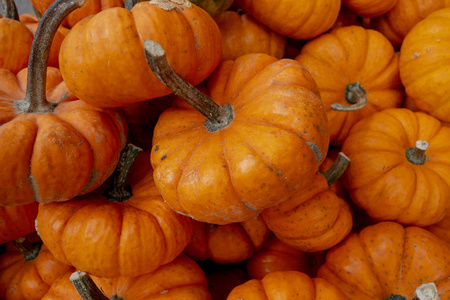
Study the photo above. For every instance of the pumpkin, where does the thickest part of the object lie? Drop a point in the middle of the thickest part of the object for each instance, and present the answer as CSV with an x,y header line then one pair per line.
x,y
397,22
314,218
213,7
27,274
124,233
441,229
422,65
263,138
400,167
346,56
16,40
287,285
188,33
65,150
347,17
180,279
231,243
386,259
293,18
370,8
242,34
91,7
17,221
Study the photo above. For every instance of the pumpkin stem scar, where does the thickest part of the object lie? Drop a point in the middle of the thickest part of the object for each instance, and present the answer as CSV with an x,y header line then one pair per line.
x,y
355,95
29,250
119,190
416,155
218,117
426,291
86,287
35,100
337,169
10,10
168,5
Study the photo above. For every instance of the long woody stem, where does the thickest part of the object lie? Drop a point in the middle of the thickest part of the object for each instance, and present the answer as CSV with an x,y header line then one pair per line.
x,y
35,100
337,169
86,287
355,95
218,117
10,9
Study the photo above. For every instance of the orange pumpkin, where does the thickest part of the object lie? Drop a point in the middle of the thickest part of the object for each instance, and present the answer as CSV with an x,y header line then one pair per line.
x,y
287,285
441,229
180,279
349,55
387,259
231,243
293,18
267,121
124,233
423,65
399,168
242,34
370,8
120,75
17,221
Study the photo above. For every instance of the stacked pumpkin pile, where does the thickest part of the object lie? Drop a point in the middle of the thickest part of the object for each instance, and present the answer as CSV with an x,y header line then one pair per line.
x,y
253,149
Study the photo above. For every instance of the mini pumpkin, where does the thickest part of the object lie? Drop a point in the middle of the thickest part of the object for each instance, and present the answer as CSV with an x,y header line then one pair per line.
x,y
370,8
17,221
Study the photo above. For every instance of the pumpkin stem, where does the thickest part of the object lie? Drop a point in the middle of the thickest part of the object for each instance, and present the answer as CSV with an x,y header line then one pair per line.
x,y
120,191
86,287
337,169
10,10
129,4
355,95
416,155
218,117
35,100
29,250
38,14
427,291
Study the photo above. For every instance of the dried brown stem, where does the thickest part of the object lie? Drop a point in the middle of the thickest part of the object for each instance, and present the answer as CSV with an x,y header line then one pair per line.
x,y
9,9
416,155
337,169
29,250
355,95
86,287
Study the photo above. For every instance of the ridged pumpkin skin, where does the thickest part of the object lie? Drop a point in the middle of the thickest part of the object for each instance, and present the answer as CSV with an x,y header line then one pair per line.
x,y
381,179
441,229
297,19
109,239
17,221
121,75
231,243
67,152
180,279
287,285
347,55
385,259
423,62
242,34
91,7
370,8
260,159
29,280
313,219
397,22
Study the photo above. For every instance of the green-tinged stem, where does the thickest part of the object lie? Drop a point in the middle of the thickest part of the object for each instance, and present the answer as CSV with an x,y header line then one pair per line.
x,y
9,9
337,169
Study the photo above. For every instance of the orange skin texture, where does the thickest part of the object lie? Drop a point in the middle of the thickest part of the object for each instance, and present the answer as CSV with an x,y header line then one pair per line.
x,y
260,159
370,8
242,34
348,55
91,7
15,45
293,18
115,239
103,62
180,279
281,285
17,221
385,259
29,280
397,22
313,219
231,243
70,151
441,229
423,62
383,182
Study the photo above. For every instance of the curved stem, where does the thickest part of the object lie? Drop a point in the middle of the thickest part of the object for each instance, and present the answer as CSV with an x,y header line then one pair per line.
x,y
10,9
129,4
29,250
218,117
35,100
120,191
416,155
86,287
355,95
337,169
